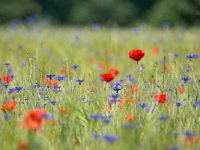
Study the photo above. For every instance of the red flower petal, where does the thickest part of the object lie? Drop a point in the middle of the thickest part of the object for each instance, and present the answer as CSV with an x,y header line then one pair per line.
x,y
136,54
114,71
107,77
160,98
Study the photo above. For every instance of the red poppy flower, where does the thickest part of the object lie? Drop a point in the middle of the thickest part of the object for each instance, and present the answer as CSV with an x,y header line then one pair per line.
x,y
189,141
130,118
126,101
9,106
65,70
63,110
181,89
34,120
155,50
136,54
107,77
114,71
51,82
160,98
23,145
134,88
168,69
7,79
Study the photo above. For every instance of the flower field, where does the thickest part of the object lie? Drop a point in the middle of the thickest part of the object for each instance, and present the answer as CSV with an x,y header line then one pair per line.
x,y
99,88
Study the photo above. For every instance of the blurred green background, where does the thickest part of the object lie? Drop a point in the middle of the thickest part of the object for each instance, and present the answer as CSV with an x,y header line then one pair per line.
x,y
107,12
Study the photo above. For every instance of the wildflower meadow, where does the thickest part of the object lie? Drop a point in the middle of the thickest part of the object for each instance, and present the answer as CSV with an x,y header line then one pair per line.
x,y
105,88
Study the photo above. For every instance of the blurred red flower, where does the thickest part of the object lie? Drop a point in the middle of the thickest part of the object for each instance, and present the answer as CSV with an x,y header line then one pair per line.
x,y
114,71
168,69
34,120
7,79
23,145
9,106
134,88
65,70
155,50
51,82
190,139
160,98
136,54
129,118
125,101
107,77
181,89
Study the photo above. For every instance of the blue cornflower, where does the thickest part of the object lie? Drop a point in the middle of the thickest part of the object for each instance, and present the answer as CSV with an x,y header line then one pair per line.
x,y
166,25
176,54
57,88
96,26
32,19
7,64
60,78
185,79
50,76
104,118
178,104
9,70
79,81
143,105
53,102
110,138
193,56
4,84
164,117
10,91
136,30
175,148
114,98
128,126
107,119
130,78
97,116
36,85
95,135
15,23
48,116
75,66
7,116
196,104
18,88
189,134
117,86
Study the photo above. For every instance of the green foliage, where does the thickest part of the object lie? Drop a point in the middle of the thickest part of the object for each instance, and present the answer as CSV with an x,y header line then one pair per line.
x,y
104,11
58,10
176,12
17,9
121,12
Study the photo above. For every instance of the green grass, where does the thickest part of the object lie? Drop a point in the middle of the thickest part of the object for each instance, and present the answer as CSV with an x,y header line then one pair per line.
x,y
36,51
